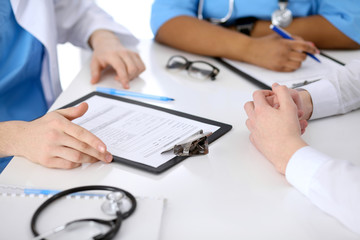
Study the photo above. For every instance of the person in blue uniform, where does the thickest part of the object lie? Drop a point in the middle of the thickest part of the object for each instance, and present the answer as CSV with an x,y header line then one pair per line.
x,y
29,79
326,24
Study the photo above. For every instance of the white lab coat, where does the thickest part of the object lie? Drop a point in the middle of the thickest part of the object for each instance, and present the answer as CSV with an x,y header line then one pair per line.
x,y
60,21
331,184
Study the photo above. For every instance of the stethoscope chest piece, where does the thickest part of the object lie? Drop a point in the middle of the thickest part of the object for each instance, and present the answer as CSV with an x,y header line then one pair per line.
x,y
113,203
283,16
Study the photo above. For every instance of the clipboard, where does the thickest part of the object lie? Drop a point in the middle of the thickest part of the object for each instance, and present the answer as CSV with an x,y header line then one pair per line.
x,y
258,80
222,128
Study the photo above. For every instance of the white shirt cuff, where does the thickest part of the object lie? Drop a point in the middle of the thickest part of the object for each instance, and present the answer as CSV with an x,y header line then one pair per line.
x,y
324,98
302,167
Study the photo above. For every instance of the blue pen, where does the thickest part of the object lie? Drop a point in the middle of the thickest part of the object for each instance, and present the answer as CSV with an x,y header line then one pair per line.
x,y
47,192
287,35
9,189
117,92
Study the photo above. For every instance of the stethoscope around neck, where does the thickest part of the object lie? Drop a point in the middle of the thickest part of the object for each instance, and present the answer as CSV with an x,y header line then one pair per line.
x,y
281,17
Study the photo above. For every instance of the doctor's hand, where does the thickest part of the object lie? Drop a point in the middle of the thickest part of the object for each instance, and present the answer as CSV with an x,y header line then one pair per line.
x,y
278,54
275,132
55,142
108,51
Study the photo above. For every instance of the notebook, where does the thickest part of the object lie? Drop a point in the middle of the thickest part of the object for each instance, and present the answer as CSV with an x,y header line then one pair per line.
x,y
16,211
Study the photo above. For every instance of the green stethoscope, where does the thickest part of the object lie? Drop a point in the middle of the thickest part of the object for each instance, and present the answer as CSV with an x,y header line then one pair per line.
x,y
281,17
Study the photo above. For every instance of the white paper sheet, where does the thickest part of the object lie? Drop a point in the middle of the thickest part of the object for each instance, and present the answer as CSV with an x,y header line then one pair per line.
x,y
309,71
17,210
135,132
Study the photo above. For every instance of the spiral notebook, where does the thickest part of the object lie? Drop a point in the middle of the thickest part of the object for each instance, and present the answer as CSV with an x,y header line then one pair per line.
x,y
17,208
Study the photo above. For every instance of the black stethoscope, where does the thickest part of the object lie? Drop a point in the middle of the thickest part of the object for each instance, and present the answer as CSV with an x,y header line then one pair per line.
x,y
281,17
112,206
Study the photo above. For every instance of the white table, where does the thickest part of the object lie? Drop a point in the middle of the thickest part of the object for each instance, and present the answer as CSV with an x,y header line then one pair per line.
x,y
231,193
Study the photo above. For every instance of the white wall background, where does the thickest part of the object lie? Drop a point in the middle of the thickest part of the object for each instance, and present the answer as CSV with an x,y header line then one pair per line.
x,y
133,14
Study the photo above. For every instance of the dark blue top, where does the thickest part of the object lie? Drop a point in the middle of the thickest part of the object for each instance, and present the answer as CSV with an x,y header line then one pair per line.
x,y
21,55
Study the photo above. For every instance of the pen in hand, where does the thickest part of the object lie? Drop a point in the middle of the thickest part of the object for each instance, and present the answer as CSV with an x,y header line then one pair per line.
x,y
287,35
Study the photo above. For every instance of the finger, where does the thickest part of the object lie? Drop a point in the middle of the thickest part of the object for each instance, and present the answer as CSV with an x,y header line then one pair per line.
x,y
313,44
134,65
282,92
300,113
96,69
79,151
85,136
303,126
74,112
289,69
297,38
297,56
249,125
249,108
75,156
296,97
272,100
130,65
61,163
139,63
290,66
302,46
77,131
121,70
260,98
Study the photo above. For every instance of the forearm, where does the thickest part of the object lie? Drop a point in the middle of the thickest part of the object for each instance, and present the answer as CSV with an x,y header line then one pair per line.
x,y
332,185
324,35
201,37
9,134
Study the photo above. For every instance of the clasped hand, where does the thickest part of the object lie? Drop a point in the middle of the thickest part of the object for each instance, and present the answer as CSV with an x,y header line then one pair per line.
x,y
275,120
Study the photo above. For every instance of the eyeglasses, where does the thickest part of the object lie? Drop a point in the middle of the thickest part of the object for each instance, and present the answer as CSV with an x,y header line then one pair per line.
x,y
196,69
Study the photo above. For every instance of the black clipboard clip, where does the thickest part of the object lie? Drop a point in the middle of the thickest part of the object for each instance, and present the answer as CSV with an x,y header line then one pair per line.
x,y
196,144
306,82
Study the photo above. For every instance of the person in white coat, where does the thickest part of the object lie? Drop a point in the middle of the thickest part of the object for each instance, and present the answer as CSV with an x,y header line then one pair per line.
x,y
276,120
29,78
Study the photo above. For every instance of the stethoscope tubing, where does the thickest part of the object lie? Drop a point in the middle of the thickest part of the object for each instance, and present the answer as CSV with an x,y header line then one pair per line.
x,y
117,221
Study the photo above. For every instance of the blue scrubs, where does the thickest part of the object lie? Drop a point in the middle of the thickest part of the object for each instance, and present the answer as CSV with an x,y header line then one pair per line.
x,y
343,14
21,55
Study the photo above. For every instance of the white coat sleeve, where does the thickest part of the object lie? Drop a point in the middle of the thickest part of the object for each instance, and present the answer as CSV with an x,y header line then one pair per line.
x,y
332,185
77,20
337,93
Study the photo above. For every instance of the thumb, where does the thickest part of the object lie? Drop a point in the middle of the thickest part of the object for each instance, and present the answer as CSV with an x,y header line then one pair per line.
x,y
283,95
74,112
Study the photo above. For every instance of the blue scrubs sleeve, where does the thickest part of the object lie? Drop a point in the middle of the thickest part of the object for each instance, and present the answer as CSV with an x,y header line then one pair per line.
x,y
344,15
164,10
